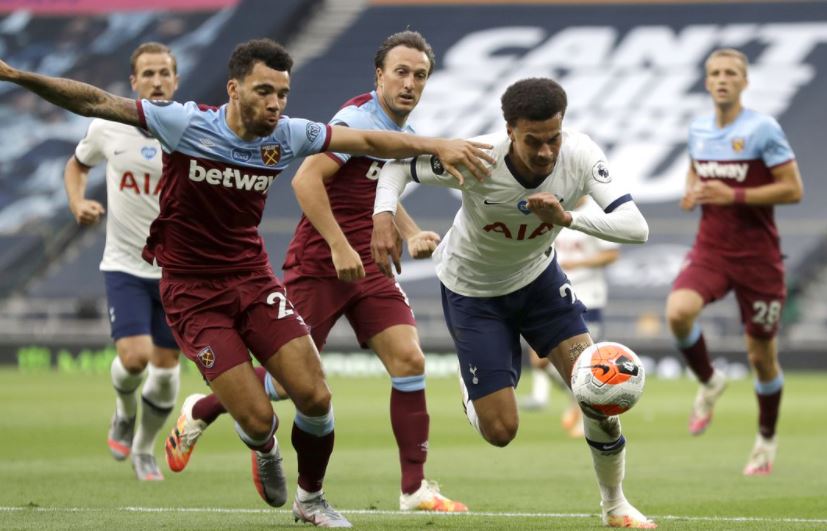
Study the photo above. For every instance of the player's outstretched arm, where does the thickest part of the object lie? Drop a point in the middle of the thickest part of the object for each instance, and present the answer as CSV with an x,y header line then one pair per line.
x,y
309,187
392,145
85,211
75,96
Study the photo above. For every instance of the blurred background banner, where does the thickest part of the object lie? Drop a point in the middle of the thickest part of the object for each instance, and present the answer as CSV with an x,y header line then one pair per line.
x,y
78,7
634,75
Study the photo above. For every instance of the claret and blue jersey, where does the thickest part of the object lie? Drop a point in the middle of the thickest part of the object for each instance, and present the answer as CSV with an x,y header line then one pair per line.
x,y
216,185
741,155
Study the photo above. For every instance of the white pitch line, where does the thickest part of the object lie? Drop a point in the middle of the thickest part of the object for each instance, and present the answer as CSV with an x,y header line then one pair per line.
x,y
367,512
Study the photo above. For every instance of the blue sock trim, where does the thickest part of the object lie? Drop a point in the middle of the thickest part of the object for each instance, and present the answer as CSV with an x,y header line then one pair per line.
x,y
270,388
318,426
249,441
771,387
408,384
692,338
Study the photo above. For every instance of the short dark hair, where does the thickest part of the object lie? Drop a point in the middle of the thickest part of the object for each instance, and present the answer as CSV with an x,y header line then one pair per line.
x,y
409,39
534,99
267,51
152,47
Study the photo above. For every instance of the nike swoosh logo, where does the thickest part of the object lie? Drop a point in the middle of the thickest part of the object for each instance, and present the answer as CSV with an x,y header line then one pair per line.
x,y
119,151
487,202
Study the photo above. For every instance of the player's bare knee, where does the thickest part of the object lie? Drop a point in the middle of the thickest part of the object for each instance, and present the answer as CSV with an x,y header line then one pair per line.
x,y
256,422
134,359
314,403
500,433
409,362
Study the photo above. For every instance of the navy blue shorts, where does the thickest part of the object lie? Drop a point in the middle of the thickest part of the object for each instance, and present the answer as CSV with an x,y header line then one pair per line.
x,y
135,308
487,330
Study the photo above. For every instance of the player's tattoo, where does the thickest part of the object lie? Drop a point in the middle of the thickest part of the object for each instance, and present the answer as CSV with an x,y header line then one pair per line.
x,y
576,349
81,98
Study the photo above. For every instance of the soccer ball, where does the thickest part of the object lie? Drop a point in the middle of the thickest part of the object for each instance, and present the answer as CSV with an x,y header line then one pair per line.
x,y
607,378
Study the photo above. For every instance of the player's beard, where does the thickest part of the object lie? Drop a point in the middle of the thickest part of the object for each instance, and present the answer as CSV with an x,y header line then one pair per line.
x,y
253,124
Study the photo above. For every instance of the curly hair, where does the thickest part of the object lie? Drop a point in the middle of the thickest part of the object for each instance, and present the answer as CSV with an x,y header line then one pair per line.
x,y
534,99
267,51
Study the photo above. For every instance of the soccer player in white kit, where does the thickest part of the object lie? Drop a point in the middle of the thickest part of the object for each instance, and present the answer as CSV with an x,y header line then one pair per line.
x,y
142,337
499,273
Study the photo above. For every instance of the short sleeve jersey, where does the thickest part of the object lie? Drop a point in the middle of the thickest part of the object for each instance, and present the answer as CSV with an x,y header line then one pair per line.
x,y
133,185
740,155
351,192
496,245
589,282
216,184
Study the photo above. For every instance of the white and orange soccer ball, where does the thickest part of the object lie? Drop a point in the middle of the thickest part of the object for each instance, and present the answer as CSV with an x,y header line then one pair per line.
x,y
608,378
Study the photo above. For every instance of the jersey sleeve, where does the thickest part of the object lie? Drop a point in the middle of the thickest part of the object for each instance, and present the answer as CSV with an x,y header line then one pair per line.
x,y
306,137
349,116
166,120
775,149
89,150
599,182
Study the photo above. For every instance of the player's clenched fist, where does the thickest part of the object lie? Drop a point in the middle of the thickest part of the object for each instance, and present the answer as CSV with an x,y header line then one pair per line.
x,y
87,211
546,207
422,244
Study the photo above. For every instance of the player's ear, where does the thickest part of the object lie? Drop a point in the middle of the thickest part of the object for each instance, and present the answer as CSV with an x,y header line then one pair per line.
x,y
379,76
232,89
133,82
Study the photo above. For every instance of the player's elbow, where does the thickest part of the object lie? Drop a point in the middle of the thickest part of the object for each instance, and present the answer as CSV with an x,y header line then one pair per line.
x,y
640,234
795,194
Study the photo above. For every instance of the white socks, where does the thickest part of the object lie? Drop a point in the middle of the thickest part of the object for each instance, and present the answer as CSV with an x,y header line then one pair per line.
x,y
159,394
607,446
125,384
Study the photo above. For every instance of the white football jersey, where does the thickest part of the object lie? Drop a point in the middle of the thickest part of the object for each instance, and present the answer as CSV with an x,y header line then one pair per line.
x,y
496,245
133,184
589,282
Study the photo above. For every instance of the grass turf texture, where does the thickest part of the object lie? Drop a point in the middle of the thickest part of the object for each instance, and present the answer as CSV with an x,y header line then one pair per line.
x,y
56,471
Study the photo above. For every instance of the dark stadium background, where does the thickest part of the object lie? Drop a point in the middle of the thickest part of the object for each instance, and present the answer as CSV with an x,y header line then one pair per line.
x,y
51,292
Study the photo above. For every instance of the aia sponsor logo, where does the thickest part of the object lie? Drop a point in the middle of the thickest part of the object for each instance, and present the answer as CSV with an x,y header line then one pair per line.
x,y
206,357
270,154
520,233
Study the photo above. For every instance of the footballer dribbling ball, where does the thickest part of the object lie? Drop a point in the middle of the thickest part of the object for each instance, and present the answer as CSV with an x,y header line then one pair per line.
x,y
608,378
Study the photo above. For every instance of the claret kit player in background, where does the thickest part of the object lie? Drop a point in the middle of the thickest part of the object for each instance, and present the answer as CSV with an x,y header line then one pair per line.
x,y
499,273
219,292
142,337
741,165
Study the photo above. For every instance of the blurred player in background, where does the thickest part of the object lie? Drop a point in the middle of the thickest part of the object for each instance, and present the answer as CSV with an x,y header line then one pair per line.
x,y
142,337
741,165
219,292
499,273
583,258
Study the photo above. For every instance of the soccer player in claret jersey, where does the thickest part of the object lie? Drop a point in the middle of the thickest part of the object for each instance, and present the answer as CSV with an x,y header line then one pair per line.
x,y
741,165
142,337
329,272
499,273
219,292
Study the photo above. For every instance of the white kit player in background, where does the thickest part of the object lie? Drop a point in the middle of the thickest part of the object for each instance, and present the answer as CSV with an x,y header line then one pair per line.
x,y
143,340
499,273
584,259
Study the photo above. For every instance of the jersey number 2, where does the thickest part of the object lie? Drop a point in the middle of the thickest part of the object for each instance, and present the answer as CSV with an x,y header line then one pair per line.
x,y
284,311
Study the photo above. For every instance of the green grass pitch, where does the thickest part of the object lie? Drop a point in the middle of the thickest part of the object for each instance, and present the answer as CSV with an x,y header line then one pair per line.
x,y
56,472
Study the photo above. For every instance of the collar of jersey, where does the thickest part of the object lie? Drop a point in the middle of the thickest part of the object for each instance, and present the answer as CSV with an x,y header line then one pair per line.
x,y
520,179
